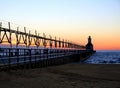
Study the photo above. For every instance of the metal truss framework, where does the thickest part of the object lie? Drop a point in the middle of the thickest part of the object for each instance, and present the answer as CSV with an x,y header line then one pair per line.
x,y
29,39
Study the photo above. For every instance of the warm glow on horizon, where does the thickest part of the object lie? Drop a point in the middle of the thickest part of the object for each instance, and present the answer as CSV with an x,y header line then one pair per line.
x,y
108,44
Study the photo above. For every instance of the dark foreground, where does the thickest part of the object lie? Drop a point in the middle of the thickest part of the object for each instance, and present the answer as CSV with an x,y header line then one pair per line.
x,y
63,76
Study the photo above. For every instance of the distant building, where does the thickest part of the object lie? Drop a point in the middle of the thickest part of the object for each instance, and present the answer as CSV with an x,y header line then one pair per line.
x,y
89,45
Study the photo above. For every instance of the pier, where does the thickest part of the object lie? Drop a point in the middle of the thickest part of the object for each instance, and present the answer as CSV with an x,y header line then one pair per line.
x,y
38,51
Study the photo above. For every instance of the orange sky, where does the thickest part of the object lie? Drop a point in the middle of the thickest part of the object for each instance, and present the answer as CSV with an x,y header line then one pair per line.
x,y
99,42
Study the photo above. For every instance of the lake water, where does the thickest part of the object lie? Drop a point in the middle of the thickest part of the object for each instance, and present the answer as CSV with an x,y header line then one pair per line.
x,y
105,57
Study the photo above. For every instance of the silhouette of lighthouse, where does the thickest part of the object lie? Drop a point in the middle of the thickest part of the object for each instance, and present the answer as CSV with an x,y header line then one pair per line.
x,y
89,45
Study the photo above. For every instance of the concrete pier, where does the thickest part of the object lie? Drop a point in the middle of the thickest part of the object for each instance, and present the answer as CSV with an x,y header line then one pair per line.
x,y
40,57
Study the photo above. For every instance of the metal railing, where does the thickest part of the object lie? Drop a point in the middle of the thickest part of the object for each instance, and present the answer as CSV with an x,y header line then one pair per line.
x,y
14,56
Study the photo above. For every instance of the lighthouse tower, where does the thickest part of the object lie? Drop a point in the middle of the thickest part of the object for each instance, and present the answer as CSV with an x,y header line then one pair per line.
x,y
89,45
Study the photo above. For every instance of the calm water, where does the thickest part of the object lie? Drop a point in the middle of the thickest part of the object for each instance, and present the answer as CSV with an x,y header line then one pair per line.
x,y
105,57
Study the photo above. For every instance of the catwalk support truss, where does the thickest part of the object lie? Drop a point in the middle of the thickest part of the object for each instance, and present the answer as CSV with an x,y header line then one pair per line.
x,y
29,39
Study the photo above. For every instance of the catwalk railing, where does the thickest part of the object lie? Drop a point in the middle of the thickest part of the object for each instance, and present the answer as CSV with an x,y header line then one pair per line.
x,y
10,34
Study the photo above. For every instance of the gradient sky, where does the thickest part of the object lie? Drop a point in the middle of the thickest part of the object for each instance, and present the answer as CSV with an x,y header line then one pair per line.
x,y
74,20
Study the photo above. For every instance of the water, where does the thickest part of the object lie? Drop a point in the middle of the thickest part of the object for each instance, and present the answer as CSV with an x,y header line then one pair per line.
x,y
105,57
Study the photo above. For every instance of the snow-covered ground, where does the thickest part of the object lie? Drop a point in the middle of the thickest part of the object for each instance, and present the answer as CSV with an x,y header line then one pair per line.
x,y
105,57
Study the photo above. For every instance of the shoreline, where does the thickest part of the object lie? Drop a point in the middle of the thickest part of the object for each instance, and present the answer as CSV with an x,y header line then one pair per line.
x,y
74,75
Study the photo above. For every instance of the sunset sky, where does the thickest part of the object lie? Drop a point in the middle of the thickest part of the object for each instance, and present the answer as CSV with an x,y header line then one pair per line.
x,y
73,20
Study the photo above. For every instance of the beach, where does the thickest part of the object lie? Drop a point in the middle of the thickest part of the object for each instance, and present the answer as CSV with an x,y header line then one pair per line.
x,y
74,75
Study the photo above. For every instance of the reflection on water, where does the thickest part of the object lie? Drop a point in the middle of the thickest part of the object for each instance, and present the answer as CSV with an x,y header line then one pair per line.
x,y
105,57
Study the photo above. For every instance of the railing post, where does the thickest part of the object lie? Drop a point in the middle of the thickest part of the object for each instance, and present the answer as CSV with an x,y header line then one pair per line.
x,y
30,56
9,58
35,57
17,52
24,57
40,58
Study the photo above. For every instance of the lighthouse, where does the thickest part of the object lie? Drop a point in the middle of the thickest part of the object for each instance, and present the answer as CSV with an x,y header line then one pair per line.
x,y
89,45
